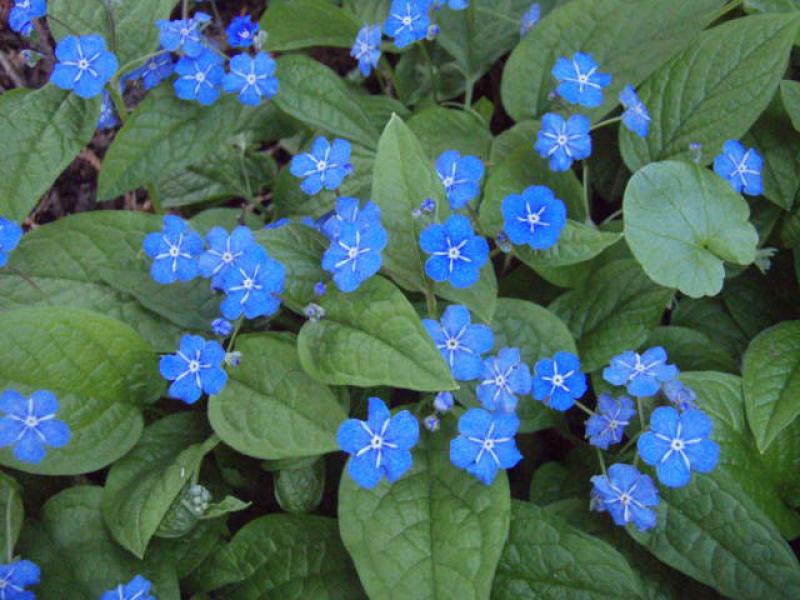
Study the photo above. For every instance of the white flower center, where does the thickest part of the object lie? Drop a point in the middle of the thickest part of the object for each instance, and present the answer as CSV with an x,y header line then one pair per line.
x,y
227,257
352,252
583,79
174,251
533,218
376,442
500,380
407,21
245,34
613,424
452,344
625,499
453,253
152,66
194,366
31,421
488,444
448,181
248,284
561,140
184,32
677,445
640,368
201,77
83,64
251,79
322,165
558,380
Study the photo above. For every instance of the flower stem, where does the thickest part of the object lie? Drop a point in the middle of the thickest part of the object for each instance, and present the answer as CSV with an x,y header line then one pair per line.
x,y
610,121
585,408
184,9
136,61
235,333
9,543
586,206
431,71
152,193
601,459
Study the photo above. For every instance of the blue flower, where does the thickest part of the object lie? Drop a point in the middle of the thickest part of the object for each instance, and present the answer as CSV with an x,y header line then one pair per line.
x,y
432,423
195,368
221,327
682,396
320,289
677,444
559,381
535,218
563,141
242,32
15,577
460,176
367,48
408,21
223,251
325,166
153,71
643,374
199,77
627,495
23,13
253,287
252,78
530,19
348,211
485,444
741,167
607,426
184,35
635,118
579,80
443,402
461,343
457,254
380,446
108,113
174,251
503,376
84,65
453,4
30,424
137,588
10,235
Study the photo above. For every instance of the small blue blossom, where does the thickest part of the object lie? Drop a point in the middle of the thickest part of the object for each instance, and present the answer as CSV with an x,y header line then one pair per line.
x,y
530,19
696,150
504,243
31,57
242,32
485,444
10,235
579,81
137,588
460,342
635,118
607,426
325,166
84,65
108,113
23,13
184,35
252,78
457,254
433,31
199,77
320,289
221,327
367,48
503,377
408,21
563,142
460,176
628,496
380,446
453,4
174,251
443,402
432,423
559,381
30,424
643,374
681,395
253,287
677,444
194,369
536,217
741,167
314,312
153,71
15,577
223,251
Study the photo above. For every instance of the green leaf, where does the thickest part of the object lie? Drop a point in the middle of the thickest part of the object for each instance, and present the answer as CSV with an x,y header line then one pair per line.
x,y
682,222
628,38
547,558
713,91
711,317
270,408
439,129
141,487
783,460
300,490
480,298
692,350
229,504
12,511
578,243
436,533
712,531
773,6
552,482
43,130
612,311
307,23
771,371
102,372
790,93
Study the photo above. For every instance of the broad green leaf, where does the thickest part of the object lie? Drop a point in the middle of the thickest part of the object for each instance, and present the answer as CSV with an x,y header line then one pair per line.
x,y
552,482
790,94
369,11
141,487
11,511
692,350
229,504
419,85
43,130
480,298
711,317
546,558
372,337
613,311
307,23
712,531
191,550
270,408
315,95
628,38
771,371
757,301
783,460
436,533
512,139
101,370
682,222
439,129
227,218
712,91
773,6
578,243
300,490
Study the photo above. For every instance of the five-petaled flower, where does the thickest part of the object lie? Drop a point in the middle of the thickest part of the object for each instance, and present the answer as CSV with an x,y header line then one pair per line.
x,y
627,495
380,446
680,394
174,251
367,48
137,588
84,65
108,115
253,287
564,141
607,426
536,217
461,177
503,377
29,424
221,327
579,81
408,21
199,77
636,117
252,78
223,251
643,374
485,443
457,254
325,166
677,444
184,35
530,19
23,13
10,235
194,369
15,577
153,71
741,168
558,381
461,342
242,32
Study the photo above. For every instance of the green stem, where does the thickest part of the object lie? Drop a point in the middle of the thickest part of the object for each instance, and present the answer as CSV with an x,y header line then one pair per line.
x,y
430,301
640,409
629,444
601,459
612,216
495,252
236,329
610,121
431,70
138,62
184,9
152,192
388,71
119,103
585,408
9,543
586,206
469,81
